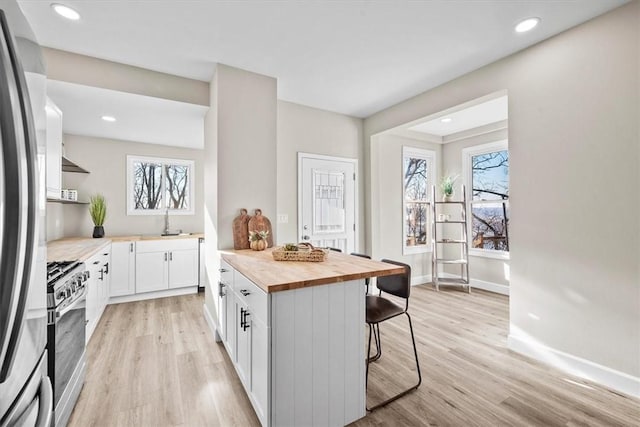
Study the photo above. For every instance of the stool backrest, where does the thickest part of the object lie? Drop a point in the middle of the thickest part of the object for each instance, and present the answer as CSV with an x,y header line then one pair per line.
x,y
398,284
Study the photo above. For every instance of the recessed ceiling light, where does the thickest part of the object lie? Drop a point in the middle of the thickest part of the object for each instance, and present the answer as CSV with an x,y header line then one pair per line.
x,y
527,25
446,120
65,11
108,118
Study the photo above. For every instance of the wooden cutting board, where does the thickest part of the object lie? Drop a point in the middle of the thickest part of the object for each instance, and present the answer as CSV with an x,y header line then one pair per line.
x,y
241,230
260,222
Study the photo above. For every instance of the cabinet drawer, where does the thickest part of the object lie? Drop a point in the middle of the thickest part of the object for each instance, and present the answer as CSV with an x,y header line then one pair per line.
x,y
226,274
166,245
254,297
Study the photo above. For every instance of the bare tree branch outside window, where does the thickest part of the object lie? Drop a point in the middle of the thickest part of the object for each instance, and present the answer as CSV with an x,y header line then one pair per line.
x,y
489,205
416,201
158,185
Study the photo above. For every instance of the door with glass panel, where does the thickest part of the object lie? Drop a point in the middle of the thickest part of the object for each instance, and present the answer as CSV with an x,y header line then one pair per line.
x,y
326,201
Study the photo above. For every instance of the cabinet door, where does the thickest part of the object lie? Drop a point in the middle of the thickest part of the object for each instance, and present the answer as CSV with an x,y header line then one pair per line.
x,y
106,279
242,346
122,269
54,150
152,271
232,325
259,353
222,293
93,290
183,268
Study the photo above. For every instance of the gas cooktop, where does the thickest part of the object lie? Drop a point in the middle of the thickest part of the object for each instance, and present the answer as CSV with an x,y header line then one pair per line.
x,y
57,270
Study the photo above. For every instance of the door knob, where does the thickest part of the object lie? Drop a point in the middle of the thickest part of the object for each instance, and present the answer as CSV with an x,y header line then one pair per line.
x,y
305,237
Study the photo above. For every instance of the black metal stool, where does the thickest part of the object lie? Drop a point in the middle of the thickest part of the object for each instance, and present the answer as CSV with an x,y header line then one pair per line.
x,y
379,309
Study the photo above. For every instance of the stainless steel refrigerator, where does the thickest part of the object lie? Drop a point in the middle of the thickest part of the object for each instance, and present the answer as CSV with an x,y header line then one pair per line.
x,y
25,390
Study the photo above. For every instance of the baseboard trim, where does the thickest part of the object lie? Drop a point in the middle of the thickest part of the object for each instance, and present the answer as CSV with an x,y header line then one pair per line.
x,y
487,286
153,295
212,324
576,366
420,280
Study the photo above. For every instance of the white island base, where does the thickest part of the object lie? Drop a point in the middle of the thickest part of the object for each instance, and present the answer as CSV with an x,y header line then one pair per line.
x,y
296,334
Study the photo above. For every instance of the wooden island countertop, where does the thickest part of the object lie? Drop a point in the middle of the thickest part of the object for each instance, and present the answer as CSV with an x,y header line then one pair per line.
x,y
275,276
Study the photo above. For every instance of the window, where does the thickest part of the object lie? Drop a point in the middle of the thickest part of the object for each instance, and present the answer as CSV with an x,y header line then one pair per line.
x,y
155,184
486,169
417,179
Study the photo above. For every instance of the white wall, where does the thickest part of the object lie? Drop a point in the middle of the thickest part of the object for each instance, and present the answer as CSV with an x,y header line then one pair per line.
x,y
574,159
309,130
106,159
88,71
387,203
240,156
247,161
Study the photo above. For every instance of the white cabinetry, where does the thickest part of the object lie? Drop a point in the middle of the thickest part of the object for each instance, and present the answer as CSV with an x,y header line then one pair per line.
x,y
224,295
183,268
123,269
98,288
244,329
54,150
151,271
166,264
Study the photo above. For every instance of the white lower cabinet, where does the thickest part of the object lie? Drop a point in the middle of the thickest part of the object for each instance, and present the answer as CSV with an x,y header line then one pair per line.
x,y
243,344
151,271
123,269
183,268
299,353
246,335
259,362
166,264
97,288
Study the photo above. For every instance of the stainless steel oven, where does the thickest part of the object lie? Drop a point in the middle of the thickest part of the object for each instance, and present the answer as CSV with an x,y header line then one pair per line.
x,y
66,336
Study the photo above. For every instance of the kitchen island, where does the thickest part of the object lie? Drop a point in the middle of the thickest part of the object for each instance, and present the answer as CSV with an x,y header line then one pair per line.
x,y
295,332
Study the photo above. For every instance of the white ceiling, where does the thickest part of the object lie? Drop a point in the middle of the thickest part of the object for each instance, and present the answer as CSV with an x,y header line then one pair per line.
x,y
352,57
485,113
138,118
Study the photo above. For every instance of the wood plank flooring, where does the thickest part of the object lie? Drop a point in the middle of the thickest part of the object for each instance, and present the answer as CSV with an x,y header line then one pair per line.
x,y
155,363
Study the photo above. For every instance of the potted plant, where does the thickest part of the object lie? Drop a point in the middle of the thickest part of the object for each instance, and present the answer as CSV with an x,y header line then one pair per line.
x,y
446,185
258,240
98,211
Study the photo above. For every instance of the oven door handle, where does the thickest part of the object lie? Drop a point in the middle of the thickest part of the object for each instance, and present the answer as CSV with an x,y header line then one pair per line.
x,y
71,306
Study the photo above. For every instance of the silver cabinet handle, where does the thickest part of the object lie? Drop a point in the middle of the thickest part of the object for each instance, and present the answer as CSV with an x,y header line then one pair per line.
x,y
170,256
165,256
223,270
245,292
131,247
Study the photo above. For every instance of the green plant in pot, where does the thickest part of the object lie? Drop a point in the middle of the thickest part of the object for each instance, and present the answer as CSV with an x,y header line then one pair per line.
x,y
446,185
98,212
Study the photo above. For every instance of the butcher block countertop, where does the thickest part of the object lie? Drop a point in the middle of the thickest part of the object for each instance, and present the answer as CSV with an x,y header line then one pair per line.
x,y
275,276
74,249
83,248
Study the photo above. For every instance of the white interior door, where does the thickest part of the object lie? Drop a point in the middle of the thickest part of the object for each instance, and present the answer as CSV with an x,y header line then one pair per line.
x,y
327,201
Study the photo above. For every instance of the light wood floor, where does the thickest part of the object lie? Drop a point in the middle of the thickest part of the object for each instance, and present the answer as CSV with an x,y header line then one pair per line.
x,y
155,363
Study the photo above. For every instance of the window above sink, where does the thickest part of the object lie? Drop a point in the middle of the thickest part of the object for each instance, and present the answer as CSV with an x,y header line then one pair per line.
x,y
156,184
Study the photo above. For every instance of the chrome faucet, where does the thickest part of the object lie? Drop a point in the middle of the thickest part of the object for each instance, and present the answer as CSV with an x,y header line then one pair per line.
x,y
166,222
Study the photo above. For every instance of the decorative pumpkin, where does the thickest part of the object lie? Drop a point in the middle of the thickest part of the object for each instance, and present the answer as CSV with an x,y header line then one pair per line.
x,y
259,245
258,240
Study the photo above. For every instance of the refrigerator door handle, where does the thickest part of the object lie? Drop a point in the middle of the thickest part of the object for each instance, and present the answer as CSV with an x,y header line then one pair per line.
x,y
18,226
46,403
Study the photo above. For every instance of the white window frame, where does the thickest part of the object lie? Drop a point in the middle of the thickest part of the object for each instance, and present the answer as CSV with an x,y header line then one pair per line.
x,y
164,161
467,155
430,157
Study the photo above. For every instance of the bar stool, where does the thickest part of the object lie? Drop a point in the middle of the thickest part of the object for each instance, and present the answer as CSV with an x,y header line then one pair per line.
x,y
379,309
367,280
